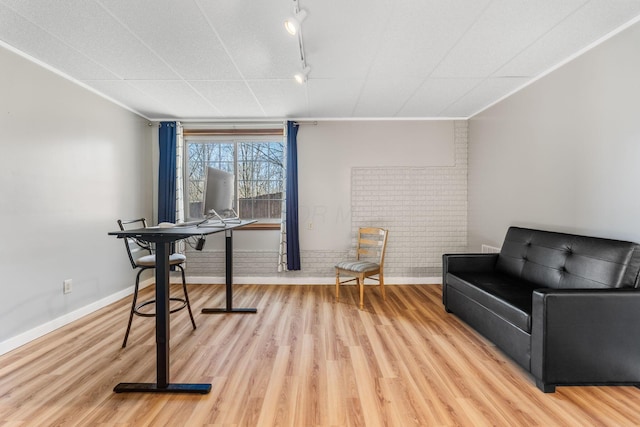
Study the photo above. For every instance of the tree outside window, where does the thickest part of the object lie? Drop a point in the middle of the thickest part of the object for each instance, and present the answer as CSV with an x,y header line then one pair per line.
x,y
258,167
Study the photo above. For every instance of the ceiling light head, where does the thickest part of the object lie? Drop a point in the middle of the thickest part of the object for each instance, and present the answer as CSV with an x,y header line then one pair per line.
x,y
301,77
292,24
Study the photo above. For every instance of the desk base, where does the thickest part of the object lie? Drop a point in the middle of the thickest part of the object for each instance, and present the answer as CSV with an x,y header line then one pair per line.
x,y
229,310
153,388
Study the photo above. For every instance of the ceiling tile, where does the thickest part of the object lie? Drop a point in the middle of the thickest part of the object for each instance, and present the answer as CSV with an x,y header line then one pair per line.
x,y
483,95
333,97
342,37
435,96
178,96
32,40
419,35
231,98
123,92
254,35
504,30
281,98
384,98
592,21
203,59
87,27
179,34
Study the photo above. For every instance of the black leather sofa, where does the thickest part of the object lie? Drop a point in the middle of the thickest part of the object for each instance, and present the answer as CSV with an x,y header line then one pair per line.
x,y
564,307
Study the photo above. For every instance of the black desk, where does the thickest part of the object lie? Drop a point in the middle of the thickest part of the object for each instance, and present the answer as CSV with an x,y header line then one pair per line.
x,y
228,249
163,237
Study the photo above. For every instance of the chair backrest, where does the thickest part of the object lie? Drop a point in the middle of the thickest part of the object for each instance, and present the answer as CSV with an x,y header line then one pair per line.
x,y
135,248
372,242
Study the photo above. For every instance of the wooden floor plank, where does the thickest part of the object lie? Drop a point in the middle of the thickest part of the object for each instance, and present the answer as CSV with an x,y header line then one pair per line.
x,y
302,360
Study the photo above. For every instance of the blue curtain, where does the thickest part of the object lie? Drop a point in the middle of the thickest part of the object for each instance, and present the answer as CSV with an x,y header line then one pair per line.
x,y
167,173
293,241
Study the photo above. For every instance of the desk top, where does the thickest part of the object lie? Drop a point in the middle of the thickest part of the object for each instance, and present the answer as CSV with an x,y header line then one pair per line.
x,y
178,232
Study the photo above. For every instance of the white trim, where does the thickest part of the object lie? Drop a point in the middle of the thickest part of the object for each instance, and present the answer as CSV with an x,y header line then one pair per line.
x,y
323,119
69,78
39,331
306,120
558,65
329,280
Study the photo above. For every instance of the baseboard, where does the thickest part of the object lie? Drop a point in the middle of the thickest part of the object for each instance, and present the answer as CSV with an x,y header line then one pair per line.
x,y
39,331
280,280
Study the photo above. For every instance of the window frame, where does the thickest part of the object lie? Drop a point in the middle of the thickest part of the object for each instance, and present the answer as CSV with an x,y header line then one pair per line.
x,y
235,137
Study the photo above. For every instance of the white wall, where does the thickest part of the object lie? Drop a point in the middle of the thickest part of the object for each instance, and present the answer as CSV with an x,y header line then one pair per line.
x,y
328,151
563,154
71,164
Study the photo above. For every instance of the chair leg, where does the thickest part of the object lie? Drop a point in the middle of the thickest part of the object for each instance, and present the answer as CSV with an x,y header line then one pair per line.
x,y
133,308
384,294
186,297
337,285
361,286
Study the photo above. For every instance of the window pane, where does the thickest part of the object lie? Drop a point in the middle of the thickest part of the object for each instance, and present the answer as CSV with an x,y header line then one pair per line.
x,y
260,172
259,175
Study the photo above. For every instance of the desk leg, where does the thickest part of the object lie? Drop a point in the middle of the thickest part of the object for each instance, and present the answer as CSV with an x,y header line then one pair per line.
x,y
228,249
162,336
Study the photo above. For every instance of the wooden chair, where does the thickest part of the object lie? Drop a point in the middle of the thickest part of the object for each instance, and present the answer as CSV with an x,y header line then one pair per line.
x,y
142,257
369,262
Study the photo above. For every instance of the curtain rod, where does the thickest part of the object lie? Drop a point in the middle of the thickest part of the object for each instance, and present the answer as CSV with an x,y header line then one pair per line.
x,y
232,132
238,125
233,125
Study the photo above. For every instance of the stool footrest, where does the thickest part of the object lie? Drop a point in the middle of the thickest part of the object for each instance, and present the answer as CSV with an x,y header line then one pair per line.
x,y
182,301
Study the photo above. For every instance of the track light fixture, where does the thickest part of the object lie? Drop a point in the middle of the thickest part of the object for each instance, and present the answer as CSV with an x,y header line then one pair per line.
x,y
301,77
292,24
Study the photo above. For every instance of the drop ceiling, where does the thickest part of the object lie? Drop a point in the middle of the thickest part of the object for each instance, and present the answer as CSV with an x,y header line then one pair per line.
x,y
233,59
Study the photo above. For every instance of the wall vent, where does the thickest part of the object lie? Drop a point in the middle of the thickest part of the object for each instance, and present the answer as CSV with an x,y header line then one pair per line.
x,y
486,249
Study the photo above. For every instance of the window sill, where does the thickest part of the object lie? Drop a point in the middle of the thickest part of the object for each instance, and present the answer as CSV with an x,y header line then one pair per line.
x,y
260,226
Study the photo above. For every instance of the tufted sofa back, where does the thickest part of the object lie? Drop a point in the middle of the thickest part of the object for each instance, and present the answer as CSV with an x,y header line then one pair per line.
x,y
567,261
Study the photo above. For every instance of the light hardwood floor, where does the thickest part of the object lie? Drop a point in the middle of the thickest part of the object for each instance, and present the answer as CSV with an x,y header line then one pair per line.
x,y
302,360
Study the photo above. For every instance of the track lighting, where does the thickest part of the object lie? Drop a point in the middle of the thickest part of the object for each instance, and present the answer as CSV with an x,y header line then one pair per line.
x,y
292,24
301,77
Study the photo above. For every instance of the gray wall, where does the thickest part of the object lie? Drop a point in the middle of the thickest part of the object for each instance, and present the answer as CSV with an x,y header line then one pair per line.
x,y
71,164
408,176
562,154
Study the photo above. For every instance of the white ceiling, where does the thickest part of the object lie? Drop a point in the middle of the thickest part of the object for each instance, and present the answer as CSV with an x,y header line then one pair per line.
x,y
232,59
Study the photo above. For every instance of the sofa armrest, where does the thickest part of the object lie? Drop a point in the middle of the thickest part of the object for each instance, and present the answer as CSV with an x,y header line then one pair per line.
x,y
585,336
465,263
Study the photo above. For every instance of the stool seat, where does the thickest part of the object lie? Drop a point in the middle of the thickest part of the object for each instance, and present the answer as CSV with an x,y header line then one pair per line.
x,y
136,250
150,260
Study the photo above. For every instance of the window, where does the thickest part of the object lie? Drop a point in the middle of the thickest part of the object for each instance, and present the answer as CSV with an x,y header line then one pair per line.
x,y
257,163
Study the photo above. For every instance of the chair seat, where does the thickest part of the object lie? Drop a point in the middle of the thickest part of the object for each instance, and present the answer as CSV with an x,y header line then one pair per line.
x,y
358,266
150,260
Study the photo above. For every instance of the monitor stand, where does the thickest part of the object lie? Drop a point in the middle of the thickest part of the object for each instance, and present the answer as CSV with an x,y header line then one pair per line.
x,y
220,221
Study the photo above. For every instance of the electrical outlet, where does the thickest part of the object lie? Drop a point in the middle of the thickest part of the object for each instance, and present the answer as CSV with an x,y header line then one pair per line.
x,y
67,286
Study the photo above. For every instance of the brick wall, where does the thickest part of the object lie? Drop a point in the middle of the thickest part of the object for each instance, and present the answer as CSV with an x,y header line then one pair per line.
x,y
424,209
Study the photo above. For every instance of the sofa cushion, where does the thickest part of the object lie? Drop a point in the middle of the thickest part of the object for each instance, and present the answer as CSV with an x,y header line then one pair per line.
x,y
566,261
508,297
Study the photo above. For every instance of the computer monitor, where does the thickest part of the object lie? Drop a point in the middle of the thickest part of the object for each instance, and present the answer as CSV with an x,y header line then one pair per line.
x,y
218,195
